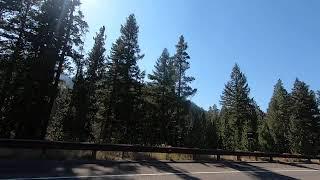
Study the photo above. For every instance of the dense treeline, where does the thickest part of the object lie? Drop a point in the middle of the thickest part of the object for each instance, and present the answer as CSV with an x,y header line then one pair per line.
x,y
110,101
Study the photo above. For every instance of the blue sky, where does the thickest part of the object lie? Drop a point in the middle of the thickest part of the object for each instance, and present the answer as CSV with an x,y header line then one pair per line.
x,y
269,39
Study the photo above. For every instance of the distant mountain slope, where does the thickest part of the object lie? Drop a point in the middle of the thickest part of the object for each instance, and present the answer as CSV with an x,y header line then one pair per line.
x,y
67,80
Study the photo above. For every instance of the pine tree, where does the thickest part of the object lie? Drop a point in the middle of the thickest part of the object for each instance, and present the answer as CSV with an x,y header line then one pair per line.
x,y
162,91
226,130
123,117
59,111
182,64
76,126
16,35
239,117
197,135
58,27
96,72
152,132
213,131
183,91
266,141
278,118
70,29
97,60
304,121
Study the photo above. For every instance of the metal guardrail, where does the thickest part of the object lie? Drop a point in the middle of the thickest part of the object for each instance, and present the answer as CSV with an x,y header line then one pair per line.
x,y
45,145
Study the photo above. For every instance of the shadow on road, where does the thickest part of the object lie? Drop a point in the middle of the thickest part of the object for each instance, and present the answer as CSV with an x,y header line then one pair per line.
x,y
181,169
256,171
299,165
72,169
165,167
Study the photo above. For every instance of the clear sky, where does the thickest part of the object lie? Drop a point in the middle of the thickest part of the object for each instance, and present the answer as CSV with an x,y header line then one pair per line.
x,y
269,39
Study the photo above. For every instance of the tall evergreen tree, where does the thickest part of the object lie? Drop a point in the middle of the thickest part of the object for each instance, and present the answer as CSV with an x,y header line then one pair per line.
x,y
58,31
182,64
304,121
60,110
197,135
18,19
278,118
95,79
183,91
70,29
239,118
213,127
97,60
162,87
76,126
125,87
266,141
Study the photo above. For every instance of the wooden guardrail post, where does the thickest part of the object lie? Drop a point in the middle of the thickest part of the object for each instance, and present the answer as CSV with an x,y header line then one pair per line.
x,y
43,153
94,154
270,159
238,158
218,157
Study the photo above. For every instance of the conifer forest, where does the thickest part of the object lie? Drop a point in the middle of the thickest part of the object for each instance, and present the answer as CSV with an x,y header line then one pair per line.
x,y
52,89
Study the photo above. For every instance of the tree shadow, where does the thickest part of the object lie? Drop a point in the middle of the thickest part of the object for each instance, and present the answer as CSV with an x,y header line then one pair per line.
x,y
167,168
11,169
162,166
293,164
255,171
299,165
251,170
74,168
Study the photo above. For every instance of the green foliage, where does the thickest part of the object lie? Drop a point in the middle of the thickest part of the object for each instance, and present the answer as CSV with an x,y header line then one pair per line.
x,y
162,87
239,115
96,61
213,130
181,64
196,137
76,126
266,141
59,111
123,116
278,118
17,22
304,119
47,33
183,90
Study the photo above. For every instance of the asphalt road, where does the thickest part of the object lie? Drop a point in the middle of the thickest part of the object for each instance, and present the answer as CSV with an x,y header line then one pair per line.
x,y
155,170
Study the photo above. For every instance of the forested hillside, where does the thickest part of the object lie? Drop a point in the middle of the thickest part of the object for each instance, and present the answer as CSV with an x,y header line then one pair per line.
x,y
112,100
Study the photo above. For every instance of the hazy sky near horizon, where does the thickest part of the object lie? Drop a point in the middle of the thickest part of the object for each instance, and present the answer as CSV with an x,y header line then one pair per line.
x,y
269,39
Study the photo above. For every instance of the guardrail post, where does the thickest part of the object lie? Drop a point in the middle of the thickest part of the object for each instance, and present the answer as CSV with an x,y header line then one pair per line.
x,y
94,154
309,160
218,157
270,159
238,158
43,153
